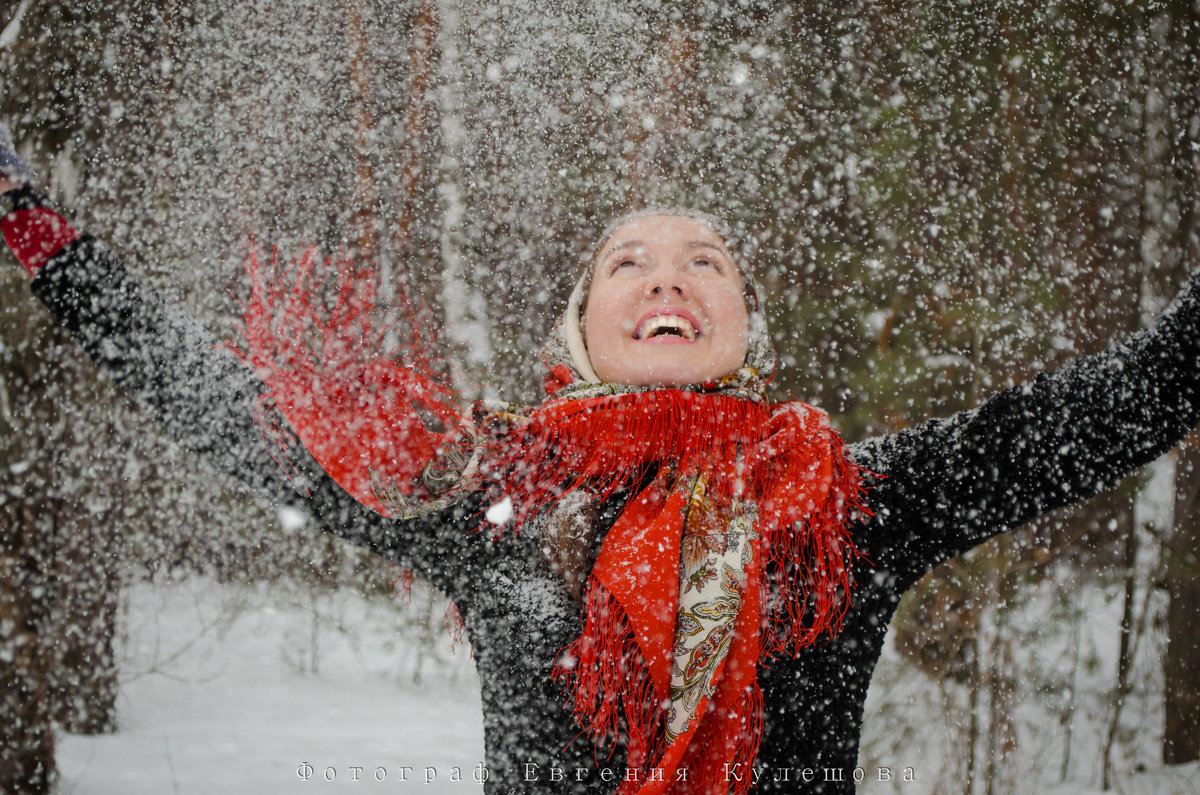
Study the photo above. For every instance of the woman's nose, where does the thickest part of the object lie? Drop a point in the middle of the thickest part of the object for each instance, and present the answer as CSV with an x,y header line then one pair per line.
x,y
668,283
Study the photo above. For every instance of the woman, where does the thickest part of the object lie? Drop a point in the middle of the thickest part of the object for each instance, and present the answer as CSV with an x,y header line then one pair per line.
x,y
632,518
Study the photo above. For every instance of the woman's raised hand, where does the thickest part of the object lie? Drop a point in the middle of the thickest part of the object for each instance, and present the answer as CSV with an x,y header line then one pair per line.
x,y
29,225
13,172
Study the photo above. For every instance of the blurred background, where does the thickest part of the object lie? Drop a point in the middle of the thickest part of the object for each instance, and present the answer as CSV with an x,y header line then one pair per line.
x,y
947,199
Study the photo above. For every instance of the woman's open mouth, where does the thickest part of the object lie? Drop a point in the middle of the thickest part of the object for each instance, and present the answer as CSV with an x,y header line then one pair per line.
x,y
670,325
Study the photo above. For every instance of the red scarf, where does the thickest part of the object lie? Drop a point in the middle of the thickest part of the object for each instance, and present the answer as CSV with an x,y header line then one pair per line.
x,y
673,679
784,460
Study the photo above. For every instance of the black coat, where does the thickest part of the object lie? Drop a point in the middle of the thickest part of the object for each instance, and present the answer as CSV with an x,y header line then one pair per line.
x,y
947,485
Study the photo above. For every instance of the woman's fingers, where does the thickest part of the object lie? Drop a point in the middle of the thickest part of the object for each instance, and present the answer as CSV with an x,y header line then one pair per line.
x,y
13,172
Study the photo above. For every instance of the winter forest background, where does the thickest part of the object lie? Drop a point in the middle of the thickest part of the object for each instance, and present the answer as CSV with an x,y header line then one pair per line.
x,y
949,198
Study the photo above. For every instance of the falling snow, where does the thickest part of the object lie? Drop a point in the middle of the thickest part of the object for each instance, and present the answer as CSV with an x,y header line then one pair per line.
x,y
939,201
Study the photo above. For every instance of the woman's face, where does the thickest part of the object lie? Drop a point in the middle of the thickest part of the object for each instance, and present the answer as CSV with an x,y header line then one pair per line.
x,y
665,306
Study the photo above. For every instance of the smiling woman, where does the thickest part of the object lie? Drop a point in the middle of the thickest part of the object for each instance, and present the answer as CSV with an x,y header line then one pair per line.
x,y
700,577
665,306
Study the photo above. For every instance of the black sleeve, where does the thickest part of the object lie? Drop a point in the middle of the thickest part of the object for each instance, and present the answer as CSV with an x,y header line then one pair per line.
x,y
950,484
206,399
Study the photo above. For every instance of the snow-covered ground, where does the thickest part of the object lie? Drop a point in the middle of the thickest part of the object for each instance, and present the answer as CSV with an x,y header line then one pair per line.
x,y
218,695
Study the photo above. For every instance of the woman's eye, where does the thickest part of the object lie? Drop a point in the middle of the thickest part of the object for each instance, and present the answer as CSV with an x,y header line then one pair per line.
x,y
625,263
707,263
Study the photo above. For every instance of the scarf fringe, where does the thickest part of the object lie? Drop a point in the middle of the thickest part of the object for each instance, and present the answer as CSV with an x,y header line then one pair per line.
x,y
357,402
609,444
807,489
612,698
807,586
611,691
732,741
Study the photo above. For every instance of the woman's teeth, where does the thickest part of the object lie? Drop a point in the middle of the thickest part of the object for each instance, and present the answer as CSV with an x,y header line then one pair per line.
x,y
666,324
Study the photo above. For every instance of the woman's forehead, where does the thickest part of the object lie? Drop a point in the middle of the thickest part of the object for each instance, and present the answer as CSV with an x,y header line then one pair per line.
x,y
643,230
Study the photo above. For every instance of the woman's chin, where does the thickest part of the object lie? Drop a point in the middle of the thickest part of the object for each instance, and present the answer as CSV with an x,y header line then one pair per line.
x,y
664,374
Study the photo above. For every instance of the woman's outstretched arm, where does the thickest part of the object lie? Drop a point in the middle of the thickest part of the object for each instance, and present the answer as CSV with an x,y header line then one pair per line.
x,y
1057,440
203,396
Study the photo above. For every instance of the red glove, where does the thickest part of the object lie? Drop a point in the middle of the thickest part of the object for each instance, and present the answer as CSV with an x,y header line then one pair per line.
x,y
33,231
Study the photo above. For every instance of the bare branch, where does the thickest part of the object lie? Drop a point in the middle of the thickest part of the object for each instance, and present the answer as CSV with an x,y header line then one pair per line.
x,y
12,30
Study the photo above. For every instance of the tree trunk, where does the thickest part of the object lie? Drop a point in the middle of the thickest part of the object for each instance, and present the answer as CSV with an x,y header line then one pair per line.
x,y
83,683
366,189
422,62
1181,739
26,733
83,691
1125,653
654,127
